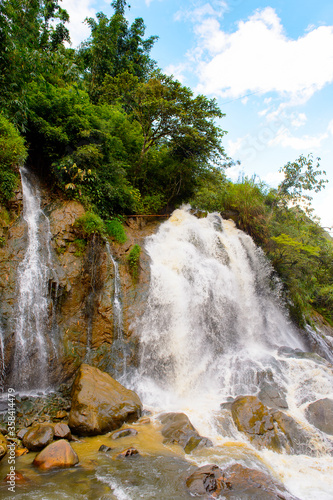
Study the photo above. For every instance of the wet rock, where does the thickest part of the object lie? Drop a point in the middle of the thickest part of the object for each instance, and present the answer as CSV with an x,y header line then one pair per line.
x,y
267,428
253,484
320,414
178,429
61,414
38,437
234,482
129,452
207,479
57,454
104,448
21,451
3,446
100,404
124,433
271,393
288,352
62,431
21,433
16,478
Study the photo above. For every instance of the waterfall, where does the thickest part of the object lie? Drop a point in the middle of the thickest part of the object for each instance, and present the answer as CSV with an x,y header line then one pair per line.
x,y
35,346
215,328
118,345
2,359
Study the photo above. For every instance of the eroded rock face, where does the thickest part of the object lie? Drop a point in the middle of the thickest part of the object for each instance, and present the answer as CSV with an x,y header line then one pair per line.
x,y
178,429
57,454
38,437
100,404
267,428
320,414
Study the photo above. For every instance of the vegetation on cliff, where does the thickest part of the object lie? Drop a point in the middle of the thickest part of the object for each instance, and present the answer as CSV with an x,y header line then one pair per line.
x,y
103,125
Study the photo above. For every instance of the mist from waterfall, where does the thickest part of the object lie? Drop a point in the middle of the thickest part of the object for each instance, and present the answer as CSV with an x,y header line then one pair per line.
x,y
34,343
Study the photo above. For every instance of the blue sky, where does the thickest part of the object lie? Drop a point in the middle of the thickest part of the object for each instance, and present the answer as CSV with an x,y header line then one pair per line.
x,y
268,63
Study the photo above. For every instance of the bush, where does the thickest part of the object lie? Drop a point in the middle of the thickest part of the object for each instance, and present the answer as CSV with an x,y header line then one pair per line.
x,y
89,224
114,228
133,260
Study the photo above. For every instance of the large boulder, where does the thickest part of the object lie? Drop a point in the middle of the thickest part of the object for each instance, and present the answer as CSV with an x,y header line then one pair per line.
x,y
267,428
235,481
178,429
38,437
57,454
320,414
100,404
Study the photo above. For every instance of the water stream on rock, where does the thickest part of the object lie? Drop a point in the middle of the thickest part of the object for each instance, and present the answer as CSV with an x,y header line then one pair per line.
x,y
118,345
35,346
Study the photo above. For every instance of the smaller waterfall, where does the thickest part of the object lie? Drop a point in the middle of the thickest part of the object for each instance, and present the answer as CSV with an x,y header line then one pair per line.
x,y
118,345
34,345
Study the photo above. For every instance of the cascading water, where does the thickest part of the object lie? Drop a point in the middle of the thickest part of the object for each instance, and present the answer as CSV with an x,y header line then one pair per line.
x,y
214,328
34,343
118,345
2,359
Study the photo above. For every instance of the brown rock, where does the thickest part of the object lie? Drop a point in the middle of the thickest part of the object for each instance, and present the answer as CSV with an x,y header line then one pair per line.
x,y
61,414
124,433
178,429
267,428
129,452
100,404
207,480
21,451
57,454
21,433
17,478
62,431
38,437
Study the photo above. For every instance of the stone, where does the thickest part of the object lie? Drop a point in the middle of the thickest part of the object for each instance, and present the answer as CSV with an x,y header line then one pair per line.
x,y
269,428
100,404
21,433
320,414
61,414
39,436
104,448
62,431
178,429
129,452
17,477
234,482
3,446
124,433
57,454
206,480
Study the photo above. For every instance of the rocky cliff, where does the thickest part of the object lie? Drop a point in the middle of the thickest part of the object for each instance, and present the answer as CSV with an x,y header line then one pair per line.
x,y
82,289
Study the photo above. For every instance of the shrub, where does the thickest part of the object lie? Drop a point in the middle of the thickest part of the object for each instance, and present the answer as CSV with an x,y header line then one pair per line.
x,y
133,260
89,224
115,229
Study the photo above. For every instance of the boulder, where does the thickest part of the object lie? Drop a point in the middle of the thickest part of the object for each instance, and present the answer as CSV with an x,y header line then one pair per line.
x,y
100,404
178,429
267,428
57,454
320,414
62,431
39,436
233,482
21,433
129,452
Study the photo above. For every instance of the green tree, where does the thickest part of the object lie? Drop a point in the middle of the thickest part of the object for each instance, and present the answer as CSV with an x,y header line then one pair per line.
x,y
115,47
168,113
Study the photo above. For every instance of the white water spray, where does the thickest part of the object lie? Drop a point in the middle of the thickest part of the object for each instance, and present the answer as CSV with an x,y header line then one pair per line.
x,y
215,328
34,345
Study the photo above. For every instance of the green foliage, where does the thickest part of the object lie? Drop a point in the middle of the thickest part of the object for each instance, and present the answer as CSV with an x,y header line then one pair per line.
x,y
89,224
12,154
81,245
115,229
133,260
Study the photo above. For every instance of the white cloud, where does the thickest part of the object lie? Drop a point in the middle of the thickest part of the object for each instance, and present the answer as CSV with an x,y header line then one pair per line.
x,y
78,10
258,56
298,119
285,139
